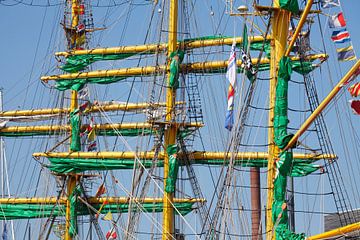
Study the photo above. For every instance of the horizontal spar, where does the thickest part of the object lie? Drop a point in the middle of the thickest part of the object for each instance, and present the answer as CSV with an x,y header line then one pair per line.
x,y
93,108
151,48
193,155
151,70
93,200
51,129
338,232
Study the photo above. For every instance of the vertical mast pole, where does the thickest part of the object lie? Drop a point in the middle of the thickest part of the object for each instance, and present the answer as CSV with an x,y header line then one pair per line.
x,y
280,28
170,132
71,182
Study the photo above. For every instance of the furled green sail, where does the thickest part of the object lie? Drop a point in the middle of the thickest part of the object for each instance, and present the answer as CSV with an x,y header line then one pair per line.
x,y
66,165
131,132
76,63
75,144
28,211
77,84
175,59
285,163
290,5
171,151
281,120
73,198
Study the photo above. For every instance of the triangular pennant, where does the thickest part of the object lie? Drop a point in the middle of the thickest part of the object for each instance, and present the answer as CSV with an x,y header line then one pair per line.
x,y
108,217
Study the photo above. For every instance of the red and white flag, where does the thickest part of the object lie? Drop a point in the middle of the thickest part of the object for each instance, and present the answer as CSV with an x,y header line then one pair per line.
x,y
337,21
355,106
110,235
354,90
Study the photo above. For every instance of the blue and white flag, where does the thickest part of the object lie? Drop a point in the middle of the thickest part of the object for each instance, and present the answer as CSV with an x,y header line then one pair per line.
x,y
329,3
231,77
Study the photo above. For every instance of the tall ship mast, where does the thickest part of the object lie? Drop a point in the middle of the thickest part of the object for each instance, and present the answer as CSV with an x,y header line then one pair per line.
x,y
183,134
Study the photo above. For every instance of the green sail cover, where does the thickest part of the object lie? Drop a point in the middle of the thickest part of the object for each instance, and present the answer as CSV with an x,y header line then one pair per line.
x,y
279,207
281,121
75,144
28,211
28,134
132,132
67,165
77,84
213,37
290,5
303,169
171,151
76,165
302,67
285,162
175,59
73,198
258,46
76,63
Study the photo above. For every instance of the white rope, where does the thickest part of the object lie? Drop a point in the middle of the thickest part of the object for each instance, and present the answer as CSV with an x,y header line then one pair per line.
x,y
141,164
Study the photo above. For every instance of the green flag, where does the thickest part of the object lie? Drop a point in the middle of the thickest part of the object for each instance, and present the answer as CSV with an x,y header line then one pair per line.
x,y
245,42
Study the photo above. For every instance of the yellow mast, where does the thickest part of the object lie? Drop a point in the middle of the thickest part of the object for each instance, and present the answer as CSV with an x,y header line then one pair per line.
x,y
280,28
170,132
71,182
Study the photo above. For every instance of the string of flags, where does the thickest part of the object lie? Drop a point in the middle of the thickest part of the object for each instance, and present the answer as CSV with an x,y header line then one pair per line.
x,y
346,53
231,75
340,35
354,91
